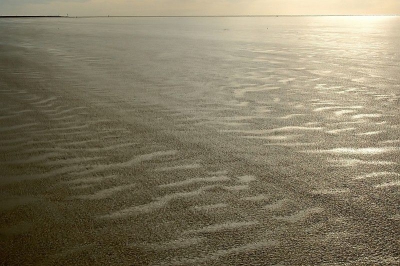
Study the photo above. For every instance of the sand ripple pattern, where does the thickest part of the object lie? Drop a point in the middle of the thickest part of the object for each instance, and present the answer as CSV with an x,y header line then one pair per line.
x,y
163,199
181,199
243,151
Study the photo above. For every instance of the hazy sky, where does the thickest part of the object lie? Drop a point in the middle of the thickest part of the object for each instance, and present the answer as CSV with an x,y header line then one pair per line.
x,y
198,7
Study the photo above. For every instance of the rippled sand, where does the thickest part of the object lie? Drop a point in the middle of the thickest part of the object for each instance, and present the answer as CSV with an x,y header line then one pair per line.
x,y
172,144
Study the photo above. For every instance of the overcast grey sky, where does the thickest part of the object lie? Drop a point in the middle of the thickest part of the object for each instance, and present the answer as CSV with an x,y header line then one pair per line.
x,y
198,7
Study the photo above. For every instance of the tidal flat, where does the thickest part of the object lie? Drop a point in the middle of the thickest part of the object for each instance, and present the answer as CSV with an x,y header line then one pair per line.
x,y
200,141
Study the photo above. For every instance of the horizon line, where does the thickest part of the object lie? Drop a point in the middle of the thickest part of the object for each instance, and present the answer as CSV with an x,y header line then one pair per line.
x,y
187,16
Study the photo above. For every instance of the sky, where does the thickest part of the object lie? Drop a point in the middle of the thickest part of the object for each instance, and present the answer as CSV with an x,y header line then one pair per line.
x,y
198,7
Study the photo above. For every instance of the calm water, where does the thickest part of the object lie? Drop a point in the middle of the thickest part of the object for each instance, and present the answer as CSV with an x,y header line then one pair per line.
x,y
263,135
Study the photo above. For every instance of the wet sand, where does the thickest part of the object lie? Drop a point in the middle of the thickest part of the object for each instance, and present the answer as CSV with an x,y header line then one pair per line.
x,y
260,174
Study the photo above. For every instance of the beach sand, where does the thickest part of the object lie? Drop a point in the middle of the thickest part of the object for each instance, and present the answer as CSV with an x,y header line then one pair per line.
x,y
89,177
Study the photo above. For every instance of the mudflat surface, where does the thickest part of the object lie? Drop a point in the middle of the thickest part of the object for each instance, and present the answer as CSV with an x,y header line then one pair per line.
x,y
199,141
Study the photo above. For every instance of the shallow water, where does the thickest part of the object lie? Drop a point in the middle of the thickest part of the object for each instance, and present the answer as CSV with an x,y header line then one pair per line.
x,y
200,141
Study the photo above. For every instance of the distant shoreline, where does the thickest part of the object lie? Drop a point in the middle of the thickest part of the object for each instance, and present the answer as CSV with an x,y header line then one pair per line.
x,y
33,17
227,16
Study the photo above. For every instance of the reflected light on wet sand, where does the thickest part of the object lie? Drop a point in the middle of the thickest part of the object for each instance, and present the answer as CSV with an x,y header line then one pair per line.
x,y
358,151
